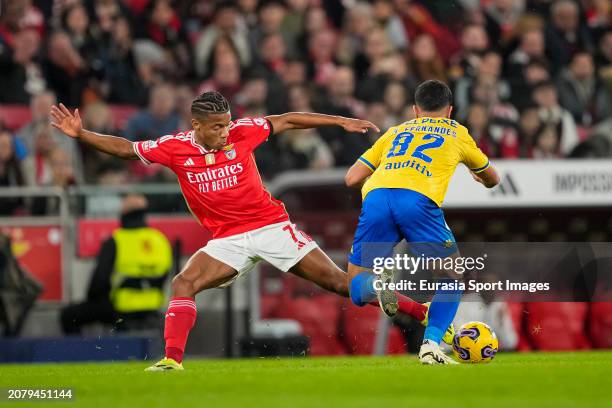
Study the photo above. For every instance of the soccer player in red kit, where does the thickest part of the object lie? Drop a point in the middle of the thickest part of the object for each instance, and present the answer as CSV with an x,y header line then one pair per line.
x,y
219,179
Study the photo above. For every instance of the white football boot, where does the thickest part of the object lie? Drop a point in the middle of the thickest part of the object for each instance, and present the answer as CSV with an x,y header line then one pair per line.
x,y
431,354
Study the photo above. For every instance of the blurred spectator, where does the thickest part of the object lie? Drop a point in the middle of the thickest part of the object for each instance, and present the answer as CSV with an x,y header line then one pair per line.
x,y
11,174
97,118
477,124
487,87
474,42
387,18
580,92
378,114
501,17
358,22
547,142
395,99
565,35
37,166
294,73
315,20
40,106
340,94
274,64
321,48
598,144
534,72
293,23
340,100
125,77
391,68
376,48
599,16
426,60
531,47
273,53
529,126
159,119
20,74
61,175
604,54
271,14
165,29
226,23
65,69
305,147
32,17
253,97
417,20
226,77
555,119
75,22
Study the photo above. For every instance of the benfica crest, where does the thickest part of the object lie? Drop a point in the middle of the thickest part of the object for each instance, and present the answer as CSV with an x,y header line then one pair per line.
x,y
230,152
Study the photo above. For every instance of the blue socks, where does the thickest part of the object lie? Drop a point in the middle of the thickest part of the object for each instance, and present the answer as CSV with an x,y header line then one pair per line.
x,y
442,312
362,289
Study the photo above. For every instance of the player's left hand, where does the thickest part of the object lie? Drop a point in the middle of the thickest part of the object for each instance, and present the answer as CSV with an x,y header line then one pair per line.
x,y
358,125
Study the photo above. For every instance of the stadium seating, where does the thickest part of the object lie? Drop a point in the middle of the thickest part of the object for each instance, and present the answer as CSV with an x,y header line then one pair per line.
x,y
557,325
319,317
13,117
600,324
359,327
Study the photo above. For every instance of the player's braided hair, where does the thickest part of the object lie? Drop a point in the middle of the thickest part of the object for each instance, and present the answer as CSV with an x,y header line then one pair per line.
x,y
209,102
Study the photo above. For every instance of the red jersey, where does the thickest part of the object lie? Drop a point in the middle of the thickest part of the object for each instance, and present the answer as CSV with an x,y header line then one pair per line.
x,y
223,188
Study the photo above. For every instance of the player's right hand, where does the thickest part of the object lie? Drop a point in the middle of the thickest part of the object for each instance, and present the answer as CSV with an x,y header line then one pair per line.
x,y
65,121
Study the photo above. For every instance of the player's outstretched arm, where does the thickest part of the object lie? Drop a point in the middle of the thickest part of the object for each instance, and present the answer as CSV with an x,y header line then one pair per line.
x,y
71,124
306,120
488,177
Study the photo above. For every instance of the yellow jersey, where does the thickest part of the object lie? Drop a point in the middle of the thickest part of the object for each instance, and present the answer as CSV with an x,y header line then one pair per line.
x,y
421,155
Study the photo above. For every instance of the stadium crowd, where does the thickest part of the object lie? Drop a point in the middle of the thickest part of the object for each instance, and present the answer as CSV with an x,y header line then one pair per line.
x,y
531,78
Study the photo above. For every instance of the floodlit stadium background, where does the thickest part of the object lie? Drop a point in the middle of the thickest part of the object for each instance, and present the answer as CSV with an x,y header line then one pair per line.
x,y
532,81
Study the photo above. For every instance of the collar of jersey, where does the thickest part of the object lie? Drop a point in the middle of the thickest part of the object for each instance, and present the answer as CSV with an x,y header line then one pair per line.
x,y
199,146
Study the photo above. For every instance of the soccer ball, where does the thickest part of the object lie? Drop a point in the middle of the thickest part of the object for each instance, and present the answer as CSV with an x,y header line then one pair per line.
x,y
475,342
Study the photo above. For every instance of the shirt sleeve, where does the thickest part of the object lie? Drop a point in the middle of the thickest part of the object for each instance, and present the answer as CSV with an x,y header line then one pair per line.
x,y
373,156
254,131
155,151
471,155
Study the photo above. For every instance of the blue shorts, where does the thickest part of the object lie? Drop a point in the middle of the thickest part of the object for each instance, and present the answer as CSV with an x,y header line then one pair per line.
x,y
389,215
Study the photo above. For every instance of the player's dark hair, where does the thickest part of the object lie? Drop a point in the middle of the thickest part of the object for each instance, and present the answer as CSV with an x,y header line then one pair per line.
x,y
209,102
433,95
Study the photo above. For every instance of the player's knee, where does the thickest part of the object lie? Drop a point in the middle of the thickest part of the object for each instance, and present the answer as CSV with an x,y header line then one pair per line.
x,y
181,287
362,289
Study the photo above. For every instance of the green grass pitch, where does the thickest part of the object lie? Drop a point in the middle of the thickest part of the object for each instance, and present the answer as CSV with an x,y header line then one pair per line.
x,y
512,380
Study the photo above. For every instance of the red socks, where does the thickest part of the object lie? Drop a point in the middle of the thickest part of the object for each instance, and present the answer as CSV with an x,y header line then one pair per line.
x,y
408,306
411,308
180,318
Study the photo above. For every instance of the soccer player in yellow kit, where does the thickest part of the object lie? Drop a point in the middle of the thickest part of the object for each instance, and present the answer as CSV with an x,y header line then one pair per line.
x,y
407,171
